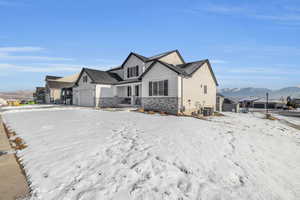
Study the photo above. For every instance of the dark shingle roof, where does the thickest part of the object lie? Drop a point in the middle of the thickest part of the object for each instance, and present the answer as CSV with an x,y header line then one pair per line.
x,y
158,56
103,77
190,68
148,59
134,80
143,58
186,69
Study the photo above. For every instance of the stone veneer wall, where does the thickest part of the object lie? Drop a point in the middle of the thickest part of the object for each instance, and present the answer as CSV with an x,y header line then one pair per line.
x,y
107,102
166,104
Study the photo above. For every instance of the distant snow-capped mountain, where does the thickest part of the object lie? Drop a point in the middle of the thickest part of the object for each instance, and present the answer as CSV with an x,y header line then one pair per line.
x,y
261,92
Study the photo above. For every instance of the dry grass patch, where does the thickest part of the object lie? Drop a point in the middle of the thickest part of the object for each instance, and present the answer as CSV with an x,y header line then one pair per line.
x,y
217,114
16,143
270,117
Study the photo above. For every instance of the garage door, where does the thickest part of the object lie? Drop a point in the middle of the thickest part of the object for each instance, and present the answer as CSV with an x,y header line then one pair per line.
x,y
86,98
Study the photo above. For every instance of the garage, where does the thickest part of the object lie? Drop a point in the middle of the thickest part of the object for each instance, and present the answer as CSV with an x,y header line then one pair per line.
x,y
84,97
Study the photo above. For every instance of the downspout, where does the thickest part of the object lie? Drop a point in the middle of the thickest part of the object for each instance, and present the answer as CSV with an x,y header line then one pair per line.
x,y
181,106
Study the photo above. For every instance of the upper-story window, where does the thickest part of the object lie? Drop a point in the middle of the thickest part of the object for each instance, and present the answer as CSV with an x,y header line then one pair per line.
x,y
205,89
84,79
132,71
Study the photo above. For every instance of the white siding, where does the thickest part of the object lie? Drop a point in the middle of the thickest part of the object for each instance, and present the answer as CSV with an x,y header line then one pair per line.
x,y
104,91
158,73
84,94
132,62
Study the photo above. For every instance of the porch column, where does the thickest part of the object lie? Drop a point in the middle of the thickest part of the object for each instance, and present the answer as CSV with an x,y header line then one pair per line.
x,y
132,94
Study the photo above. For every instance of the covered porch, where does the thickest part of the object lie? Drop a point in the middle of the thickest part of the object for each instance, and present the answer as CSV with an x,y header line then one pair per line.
x,y
129,94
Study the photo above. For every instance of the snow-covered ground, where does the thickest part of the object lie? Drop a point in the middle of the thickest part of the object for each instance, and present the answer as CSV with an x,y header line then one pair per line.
x,y
293,120
92,154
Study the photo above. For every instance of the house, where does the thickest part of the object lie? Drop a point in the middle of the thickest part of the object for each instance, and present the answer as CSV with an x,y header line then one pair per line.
x,y
272,103
3,102
296,102
39,95
59,89
230,105
219,102
164,82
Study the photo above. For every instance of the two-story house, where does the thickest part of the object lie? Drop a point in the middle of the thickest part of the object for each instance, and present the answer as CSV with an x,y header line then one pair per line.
x,y
163,82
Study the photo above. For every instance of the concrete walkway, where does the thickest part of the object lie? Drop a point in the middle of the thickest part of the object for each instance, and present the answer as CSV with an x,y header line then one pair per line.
x,y
13,184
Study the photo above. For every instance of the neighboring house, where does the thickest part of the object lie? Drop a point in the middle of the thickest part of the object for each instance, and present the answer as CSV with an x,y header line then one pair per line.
x,y
272,103
296,102
3,102
230,105
59,89
219,103
164,82
39,95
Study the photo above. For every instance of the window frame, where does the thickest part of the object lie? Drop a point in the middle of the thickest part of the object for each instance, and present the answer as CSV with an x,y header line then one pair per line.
x,y
205,90
133,71
85,79
158,88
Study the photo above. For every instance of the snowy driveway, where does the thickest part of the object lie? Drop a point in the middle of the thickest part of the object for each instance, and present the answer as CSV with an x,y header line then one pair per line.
x,y
90,154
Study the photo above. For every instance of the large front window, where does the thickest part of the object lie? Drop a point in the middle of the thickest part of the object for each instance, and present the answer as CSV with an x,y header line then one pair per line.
x,y
158,88
132,71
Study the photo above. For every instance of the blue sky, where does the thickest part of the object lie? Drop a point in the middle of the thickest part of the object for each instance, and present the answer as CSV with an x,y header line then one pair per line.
x,y
253,43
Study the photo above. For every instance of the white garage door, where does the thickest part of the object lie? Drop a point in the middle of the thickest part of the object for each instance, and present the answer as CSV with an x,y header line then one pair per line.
x,y
86,97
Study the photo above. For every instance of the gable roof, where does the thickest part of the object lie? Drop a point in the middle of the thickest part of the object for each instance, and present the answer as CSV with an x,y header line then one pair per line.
x,y
161,55
149,59
192,67
185,70
101,77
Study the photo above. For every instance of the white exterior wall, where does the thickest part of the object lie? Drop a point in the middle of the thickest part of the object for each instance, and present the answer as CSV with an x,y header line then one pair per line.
x,y
85,93
103,91
159,73
132,62
172,58
193,90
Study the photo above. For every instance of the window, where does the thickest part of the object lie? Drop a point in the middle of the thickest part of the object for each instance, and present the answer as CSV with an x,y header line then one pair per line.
x,y
150,88
155,88
205,89
137,90
84,79
129,91
132,71
158,88
166,87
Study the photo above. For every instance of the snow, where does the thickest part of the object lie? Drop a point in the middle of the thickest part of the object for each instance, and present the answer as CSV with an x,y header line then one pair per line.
x,y
92,154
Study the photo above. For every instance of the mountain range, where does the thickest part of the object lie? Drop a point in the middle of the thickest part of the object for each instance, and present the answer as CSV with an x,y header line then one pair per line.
x,y
261,92
20,94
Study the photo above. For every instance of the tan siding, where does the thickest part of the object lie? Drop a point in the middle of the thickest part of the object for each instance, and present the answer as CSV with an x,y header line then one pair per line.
x,y
172,58
193,93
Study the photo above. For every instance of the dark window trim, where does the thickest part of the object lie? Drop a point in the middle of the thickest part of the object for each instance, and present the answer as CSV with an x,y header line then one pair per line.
x,y
159,88
133,71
